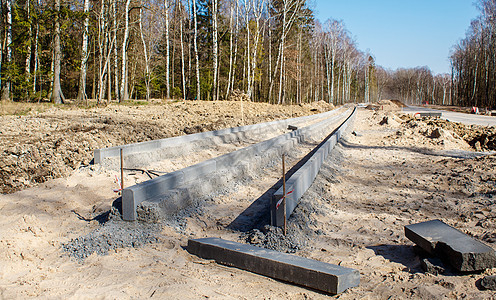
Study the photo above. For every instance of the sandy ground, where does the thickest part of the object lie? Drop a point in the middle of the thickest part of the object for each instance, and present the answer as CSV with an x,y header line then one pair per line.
x,y
380,178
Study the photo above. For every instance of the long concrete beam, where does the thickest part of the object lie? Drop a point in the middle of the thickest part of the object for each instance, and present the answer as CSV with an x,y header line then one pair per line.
x,y
302,271
303,178
153,190
101,154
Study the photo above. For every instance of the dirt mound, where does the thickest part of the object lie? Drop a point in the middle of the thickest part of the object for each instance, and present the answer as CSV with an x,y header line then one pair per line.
x,y
398,103
36,147
319,106
480,138
238,95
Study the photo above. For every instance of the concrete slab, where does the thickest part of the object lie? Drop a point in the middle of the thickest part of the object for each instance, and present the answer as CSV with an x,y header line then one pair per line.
x,y
302,271
461,251
430,114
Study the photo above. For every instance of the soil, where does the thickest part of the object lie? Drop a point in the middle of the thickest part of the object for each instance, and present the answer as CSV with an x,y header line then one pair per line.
x,y
387,172
39,146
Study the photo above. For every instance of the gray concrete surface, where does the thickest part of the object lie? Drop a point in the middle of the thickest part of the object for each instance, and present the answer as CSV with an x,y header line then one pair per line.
x,y
303,178
302,271
180,141
455,116
199,176
460,250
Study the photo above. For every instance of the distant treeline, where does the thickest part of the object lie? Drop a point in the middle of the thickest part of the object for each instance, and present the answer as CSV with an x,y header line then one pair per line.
x,y
272,50
474,60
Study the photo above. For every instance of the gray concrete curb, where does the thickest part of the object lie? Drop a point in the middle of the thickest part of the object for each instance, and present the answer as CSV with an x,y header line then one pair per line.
x,y
152,189
303,178
101,154
303,271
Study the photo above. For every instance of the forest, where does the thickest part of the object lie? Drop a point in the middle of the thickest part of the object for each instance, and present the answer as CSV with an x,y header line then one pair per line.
x,y
272,50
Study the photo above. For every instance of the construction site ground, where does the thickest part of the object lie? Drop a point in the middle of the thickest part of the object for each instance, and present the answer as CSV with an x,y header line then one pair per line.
x,y
389,170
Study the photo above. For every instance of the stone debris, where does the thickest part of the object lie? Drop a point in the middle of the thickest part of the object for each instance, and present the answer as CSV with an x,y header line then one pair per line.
x,y
489,282
433,266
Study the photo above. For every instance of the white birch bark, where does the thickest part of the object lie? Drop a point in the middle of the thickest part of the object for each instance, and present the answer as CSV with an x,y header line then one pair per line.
x,y
84,55
124,88
27,67
8,33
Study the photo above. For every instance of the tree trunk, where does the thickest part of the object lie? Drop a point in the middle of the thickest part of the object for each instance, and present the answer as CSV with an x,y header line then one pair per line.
x,y
167,49
57,95
147,68
124,88
27,67
215,48
198,95
183,75
84,59
116,58
231,31
8,33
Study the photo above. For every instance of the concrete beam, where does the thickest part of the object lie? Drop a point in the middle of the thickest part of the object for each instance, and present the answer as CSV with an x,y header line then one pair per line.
x,y
303,178
154,188
302,271
101,154
460,250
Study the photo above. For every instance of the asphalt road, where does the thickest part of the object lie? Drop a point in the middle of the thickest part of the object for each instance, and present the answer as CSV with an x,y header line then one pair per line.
x,y
455,116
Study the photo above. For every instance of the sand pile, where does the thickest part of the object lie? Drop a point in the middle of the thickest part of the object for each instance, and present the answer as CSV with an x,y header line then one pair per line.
x,y
386,105
480,138
318,106
422,134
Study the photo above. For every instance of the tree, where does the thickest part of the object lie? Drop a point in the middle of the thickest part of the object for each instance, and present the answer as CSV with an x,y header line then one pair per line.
x,y
8,35
84,55
57,96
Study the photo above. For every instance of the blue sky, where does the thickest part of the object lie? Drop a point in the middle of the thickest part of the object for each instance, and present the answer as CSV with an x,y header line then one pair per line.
x,y
403,33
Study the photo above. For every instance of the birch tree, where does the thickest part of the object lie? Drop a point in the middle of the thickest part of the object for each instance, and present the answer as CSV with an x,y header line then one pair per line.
x,y
84,54
57,96
8,38
124,84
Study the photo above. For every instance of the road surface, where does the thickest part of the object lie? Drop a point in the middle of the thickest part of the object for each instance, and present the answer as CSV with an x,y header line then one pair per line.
x,y
455,116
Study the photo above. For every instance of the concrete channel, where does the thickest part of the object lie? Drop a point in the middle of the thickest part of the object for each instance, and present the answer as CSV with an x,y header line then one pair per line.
x,y
140,153
303,178
177,190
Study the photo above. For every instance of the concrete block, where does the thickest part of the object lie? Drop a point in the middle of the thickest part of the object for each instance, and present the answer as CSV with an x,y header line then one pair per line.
x,y
134,195
302,271
430,114
461,251
199,170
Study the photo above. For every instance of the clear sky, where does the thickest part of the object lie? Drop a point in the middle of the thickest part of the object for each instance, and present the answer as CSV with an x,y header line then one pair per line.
x,y
403,33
